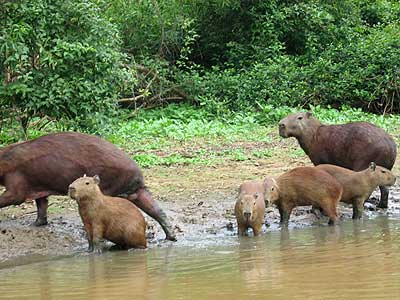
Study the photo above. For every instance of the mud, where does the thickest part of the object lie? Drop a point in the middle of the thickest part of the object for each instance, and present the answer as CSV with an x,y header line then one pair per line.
x,y
200,216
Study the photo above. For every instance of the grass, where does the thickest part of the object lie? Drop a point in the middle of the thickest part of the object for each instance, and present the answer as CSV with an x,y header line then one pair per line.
x,y
183,134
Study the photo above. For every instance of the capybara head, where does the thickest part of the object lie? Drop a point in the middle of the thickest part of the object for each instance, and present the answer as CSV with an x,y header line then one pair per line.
x,y
247,206
84,187
271,191
382,175
295,124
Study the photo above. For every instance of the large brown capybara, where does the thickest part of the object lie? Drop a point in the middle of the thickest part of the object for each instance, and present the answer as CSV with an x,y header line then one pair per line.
x,y
250,207
47,165
352,146
304,186
105,217
358,186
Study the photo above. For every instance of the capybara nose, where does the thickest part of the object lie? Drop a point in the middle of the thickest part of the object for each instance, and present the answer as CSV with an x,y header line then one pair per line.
x,y
71,189
281,126
247,215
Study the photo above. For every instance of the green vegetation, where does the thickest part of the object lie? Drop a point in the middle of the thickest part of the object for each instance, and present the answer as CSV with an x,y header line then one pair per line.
x,y
183,134
95,65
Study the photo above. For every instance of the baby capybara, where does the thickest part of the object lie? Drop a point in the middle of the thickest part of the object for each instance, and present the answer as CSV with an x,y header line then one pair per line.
x,y
104,217
352,146
358,186
250,207
304,186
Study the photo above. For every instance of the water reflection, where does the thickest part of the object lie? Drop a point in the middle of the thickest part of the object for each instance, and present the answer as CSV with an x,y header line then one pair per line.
x,y
356,260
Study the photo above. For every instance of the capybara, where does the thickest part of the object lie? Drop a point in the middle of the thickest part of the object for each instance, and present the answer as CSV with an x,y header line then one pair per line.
x,y
250,207
304,186
352,146
105,217
358,186
47,165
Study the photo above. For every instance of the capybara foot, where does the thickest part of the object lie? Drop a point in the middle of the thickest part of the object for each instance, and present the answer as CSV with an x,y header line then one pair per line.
x,y
332,222
171,237
382,204
40,222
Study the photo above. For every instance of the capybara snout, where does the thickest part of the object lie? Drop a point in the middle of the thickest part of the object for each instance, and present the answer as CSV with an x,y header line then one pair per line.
x,y
248,203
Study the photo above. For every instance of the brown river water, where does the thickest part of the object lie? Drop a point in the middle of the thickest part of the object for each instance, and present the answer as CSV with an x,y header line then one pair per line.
x,y
358,260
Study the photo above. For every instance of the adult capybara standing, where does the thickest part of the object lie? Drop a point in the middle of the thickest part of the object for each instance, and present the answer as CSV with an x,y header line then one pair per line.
x,y
304,186
352,146
358,186
47,165
105,217
250,207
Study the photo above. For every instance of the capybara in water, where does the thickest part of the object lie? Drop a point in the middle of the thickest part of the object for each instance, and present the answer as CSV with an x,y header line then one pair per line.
x,y
250,207
105,217
358,186
352,146
304,186
47,165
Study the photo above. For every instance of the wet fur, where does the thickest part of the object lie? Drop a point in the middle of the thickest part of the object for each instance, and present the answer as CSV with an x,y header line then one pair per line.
x,y
358,186
306,186
352,146
47,165
104,217
247,192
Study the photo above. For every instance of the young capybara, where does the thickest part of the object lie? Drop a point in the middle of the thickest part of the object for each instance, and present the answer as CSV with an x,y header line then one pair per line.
x,y
304,186
104,217
47,165
358,186
250,207
352,146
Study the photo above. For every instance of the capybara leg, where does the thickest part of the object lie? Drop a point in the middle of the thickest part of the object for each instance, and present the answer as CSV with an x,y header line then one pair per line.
x,y
383,202
42,204
330,211
241,230
285,214
9,198
317,211
257,230
145,201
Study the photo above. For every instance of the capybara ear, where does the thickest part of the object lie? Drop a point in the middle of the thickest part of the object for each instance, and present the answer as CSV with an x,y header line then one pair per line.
x,y
308,114
372,166
96,179
84,175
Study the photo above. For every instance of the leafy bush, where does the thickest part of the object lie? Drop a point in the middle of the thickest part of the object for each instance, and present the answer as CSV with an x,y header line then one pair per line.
x,y
59,59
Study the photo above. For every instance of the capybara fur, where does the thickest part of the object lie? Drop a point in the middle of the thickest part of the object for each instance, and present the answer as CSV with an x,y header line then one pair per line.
x,y
304,186
352,146
47,165
358,186
250,207
104,217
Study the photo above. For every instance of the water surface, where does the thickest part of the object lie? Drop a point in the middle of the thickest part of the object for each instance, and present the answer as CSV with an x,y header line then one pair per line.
x,y
350,261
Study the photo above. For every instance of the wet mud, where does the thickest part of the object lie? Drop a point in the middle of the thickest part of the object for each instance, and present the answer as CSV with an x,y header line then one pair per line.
x,y
199,218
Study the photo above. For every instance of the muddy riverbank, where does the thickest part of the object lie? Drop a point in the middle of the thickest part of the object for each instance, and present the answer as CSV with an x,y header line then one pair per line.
x,y
201,212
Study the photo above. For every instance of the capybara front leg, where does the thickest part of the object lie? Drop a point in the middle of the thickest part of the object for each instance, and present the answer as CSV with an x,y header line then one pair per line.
x,y
241,230
358,208
145,201
42,204
285,214
383,202
257,229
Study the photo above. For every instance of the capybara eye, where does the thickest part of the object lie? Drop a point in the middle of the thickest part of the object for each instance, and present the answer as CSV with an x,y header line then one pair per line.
x,y
272,189
87,182
256,195
299,118
383,171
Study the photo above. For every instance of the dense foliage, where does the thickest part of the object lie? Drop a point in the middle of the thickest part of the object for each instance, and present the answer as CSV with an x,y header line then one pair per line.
x,y
59,59
70,58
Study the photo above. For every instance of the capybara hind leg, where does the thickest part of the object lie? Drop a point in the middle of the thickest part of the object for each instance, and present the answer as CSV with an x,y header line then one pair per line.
x,y
42,204
145,201
383,202
9,198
